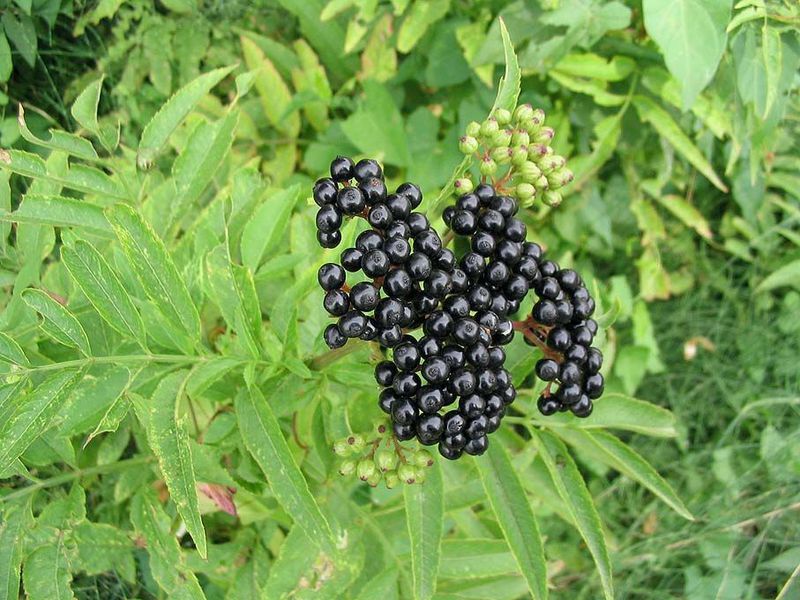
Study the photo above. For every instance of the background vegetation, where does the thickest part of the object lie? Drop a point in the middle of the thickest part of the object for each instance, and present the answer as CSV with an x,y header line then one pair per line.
x,y
680,119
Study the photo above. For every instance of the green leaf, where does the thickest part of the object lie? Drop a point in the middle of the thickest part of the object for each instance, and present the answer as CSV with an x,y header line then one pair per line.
x,y
422,15
272,89
686,213
618,411
103,289
166,563
6,66
84,110
33,415
786,276
691,35
376,127
383,586
104,548
267,226
595,66
47,572
60,211
78,177
10,352
772,54
263,438
515,517
172,114
476,559
206,374
508,90
170,443
425,520
59,323
21,32
609,450
663,123
12,531
578,502
91,402
149,259
195,167
59,140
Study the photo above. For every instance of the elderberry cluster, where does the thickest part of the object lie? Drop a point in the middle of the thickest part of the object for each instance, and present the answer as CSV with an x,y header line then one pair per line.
x,y
561,324
406,270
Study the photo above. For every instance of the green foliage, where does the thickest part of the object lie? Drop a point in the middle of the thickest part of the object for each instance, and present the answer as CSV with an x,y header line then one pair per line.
x,y
167,405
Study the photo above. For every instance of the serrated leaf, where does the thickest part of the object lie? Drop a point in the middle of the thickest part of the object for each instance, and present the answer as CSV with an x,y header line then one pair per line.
x,y
508,90
59,323
383,586
77,177
664,124
515,517
11,549
786,276
425,521
611,451
103,289
579,503
149,259
59,211
170,443
267,226
691,35
166,564
422,15
171,115
272,89
34,414
103,548
618,411
476,559
59,140
772,55
195,167
10,352
93,399
21,32
84,110
47,572
206,374
6,66
264,439
686,213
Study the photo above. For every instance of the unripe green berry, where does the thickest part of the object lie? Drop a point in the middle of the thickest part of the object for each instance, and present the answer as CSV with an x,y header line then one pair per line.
x,y
473,129
523,191
391,479
551,198
463,186
374,479
544,135
385,459
356,443
552,162
502,138
523,112
467,144
560,177
530,172
520,137
519,155
347,467
423,458
502,156
542,183
419,475
365,469
341,447
538,116
380,428
407,473
503,116
489,127
487,167
536,152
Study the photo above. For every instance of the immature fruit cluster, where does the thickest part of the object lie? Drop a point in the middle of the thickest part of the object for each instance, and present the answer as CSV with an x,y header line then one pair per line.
x,y
515,148
406,271
561,325
381,458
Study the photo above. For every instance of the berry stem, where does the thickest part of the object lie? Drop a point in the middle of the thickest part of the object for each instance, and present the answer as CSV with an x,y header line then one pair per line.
x,y
318,363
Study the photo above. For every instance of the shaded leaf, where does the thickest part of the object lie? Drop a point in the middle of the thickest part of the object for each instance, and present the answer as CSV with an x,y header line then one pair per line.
x,y
47,572
425,521
11,533
786,276
267,226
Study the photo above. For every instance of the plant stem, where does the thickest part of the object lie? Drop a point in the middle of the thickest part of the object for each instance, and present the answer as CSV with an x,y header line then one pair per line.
x,y
131,358
318,363
76,474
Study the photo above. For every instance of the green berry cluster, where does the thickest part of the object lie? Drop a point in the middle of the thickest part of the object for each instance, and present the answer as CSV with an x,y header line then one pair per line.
x,y
514,153
381,458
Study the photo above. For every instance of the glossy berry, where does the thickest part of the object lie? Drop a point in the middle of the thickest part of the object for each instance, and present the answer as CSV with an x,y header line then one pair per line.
x,y
342,169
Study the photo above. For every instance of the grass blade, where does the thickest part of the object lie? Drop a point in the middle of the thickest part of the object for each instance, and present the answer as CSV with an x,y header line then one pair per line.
x,y
515,517
425,521
170,443
578,501
264,440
